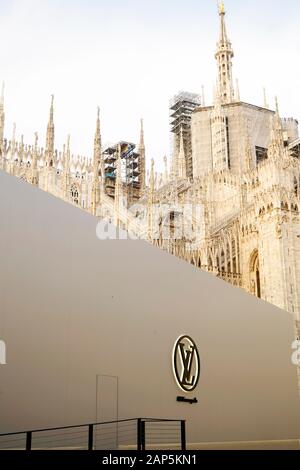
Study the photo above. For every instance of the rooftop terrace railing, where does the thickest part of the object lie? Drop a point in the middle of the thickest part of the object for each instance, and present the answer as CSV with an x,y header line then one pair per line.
x,y
135,434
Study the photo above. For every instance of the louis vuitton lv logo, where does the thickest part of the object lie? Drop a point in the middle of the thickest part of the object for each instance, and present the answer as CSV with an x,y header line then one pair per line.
x,y
186,363
187,357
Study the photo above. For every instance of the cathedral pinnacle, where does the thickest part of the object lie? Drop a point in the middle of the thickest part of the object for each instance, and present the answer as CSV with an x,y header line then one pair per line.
x,y
52,109
50,137
224,57
152,177
223,32
276,105
34,167
277,142
68,155
266,105
35,151
97,158
277,115
97,135
142,138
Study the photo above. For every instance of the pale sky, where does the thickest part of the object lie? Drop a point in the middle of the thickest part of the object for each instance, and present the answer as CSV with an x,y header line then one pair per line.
x,y
129,57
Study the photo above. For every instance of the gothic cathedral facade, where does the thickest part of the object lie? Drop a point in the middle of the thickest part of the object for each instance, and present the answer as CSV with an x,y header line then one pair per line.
x,y
238,162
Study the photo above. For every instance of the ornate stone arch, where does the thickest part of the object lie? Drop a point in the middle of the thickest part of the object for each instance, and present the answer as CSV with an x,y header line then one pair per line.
x,y
255,279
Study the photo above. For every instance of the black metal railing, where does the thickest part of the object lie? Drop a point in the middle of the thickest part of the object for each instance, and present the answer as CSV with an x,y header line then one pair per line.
x,y
135,434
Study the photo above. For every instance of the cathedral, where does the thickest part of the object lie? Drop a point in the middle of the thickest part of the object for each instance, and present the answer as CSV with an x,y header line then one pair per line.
x,y
228,203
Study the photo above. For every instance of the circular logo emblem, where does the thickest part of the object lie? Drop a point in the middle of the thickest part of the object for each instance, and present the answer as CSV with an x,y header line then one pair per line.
x,y
186,363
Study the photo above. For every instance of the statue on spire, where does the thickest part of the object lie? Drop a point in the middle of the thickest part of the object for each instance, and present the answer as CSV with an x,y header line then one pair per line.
x,y
221,8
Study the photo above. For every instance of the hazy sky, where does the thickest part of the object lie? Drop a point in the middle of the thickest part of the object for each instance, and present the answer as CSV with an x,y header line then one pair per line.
x,y
131,56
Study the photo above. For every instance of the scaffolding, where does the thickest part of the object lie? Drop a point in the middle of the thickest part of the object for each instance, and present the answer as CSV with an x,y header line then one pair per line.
x,y
130,171
182,107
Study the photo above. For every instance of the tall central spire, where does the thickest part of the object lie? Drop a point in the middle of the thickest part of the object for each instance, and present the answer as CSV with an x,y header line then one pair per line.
x,y
98,167
224,57
50,136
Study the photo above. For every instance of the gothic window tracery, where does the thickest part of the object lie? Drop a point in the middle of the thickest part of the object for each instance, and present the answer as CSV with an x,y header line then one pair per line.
x,y
74,194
